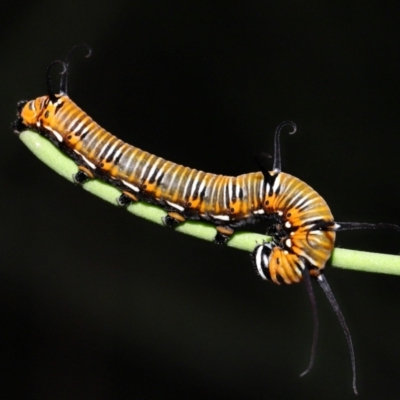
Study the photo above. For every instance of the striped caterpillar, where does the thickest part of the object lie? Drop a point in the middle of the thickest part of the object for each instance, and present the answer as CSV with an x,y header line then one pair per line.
x,y
301,224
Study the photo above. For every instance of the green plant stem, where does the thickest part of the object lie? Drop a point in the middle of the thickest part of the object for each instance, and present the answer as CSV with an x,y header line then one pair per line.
x,y
56,160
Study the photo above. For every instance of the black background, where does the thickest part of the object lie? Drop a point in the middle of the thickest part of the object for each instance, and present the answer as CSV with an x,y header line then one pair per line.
x,y
98,304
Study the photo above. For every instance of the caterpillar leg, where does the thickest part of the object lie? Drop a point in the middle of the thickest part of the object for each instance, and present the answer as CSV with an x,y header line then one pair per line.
x,y
224,233
173,219
126,199
83,175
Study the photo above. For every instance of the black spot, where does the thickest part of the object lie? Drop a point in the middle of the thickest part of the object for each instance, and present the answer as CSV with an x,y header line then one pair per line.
x,y
195,195
288,215
234,194
81,177
116,161
266,202
124,200
241,194
220,238
271,182
196,191
69,137
46,114
153,177
170,222
160,179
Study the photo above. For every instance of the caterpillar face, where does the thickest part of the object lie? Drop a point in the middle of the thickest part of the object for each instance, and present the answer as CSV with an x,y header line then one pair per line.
x,y
40,114
33,110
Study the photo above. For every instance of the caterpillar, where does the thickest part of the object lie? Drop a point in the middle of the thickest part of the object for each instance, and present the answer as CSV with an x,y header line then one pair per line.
x,y
301,225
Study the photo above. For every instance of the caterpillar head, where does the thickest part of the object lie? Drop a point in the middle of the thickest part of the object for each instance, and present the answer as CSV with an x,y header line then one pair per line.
x,y
28,113
31,112
39,114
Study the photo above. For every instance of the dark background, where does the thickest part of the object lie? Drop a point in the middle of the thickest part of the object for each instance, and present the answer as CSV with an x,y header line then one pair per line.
x,y
99,304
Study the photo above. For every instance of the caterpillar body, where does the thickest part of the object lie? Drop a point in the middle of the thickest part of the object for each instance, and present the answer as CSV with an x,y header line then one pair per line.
x,y
185,193
301,224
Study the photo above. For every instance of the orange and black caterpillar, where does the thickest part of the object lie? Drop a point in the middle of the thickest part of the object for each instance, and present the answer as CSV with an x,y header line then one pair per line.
x,y
300,222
